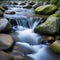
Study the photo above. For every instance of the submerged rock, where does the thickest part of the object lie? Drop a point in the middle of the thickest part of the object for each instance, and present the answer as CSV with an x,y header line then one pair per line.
x,y
24,48
5,56
46,9
50,26
6,41
4,25
10,12
55,46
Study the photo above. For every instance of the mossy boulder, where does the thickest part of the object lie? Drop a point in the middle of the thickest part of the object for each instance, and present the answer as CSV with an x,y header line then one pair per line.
x,y
55,46
46,9
50,26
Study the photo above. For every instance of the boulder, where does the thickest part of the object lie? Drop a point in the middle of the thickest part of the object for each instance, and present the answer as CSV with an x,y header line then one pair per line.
x,y
4,25
55,46
6,41
46,9
50,26
5,56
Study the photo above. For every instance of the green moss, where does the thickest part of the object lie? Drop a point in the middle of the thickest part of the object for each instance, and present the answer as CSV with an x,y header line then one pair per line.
x,y
46,9
55,47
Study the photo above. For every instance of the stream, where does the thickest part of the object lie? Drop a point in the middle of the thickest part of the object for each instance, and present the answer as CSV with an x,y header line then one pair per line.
x,y
29,42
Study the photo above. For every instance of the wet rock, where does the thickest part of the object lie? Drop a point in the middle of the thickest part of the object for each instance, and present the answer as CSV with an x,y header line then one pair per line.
x,y
55,46
1,13
6,42
36,5
21,49
10,12
2,9
5,7
45,39
4,25
23,3
15,3
31,2
5,56
50,26
46,9
27,6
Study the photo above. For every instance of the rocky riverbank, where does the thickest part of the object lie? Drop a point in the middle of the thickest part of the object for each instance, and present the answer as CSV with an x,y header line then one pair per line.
x,y
20,39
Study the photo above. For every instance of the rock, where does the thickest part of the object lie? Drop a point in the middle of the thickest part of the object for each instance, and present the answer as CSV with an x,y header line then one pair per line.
x,y
25,48
36,5
46,9
6,41
1,13
23,3
50,26
55,46
31,2
10,12
15,3
27,6
5,7
51,39
2,9
4,25
45,39
5,56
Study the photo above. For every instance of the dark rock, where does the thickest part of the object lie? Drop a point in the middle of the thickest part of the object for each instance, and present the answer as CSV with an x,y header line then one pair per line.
x,y
10,12
31,2
5,7
1,13
15,3
27,6
6,41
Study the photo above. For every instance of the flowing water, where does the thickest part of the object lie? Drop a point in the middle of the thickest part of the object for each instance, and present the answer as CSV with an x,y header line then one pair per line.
x,y
28,41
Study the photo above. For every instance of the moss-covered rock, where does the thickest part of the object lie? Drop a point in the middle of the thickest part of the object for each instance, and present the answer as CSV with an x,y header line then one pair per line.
x,y
46,9
50,26
55,46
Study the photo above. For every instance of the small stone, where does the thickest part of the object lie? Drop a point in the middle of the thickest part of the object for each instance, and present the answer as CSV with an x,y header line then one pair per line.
x,y
6,41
